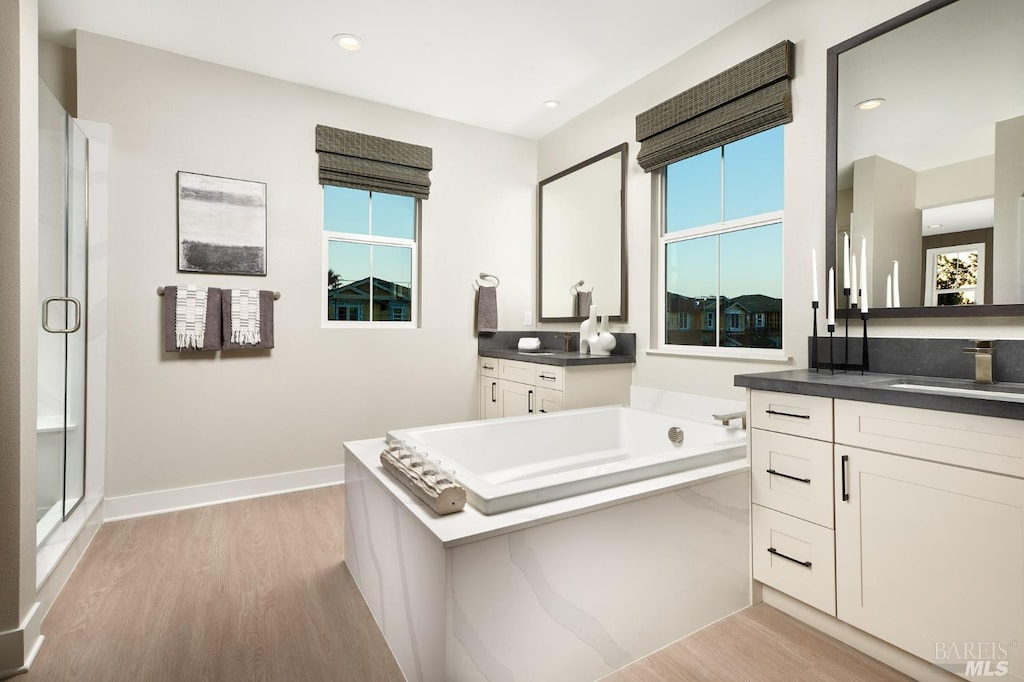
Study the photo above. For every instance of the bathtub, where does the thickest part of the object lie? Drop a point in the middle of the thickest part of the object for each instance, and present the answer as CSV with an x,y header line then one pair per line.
x,y
517,462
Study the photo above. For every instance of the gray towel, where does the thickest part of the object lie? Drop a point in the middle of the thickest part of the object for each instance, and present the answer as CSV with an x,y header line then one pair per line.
x,y
583,302
486,310
211,337
266,322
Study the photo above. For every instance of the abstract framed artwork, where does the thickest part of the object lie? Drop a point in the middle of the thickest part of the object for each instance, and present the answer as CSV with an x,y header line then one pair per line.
x,y
222,225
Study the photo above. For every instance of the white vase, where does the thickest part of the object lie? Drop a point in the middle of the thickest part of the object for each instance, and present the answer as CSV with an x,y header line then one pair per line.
x,y
602,343
588,329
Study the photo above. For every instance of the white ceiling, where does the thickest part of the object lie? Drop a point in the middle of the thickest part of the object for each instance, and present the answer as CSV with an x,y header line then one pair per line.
x,y
948,77
486,63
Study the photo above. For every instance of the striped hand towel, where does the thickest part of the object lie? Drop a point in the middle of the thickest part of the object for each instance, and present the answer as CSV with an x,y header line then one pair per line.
x,y
245,317
190,317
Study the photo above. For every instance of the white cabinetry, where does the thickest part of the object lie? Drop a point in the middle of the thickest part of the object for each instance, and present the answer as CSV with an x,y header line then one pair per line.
x,y
791,488
919,540
515,387
931,553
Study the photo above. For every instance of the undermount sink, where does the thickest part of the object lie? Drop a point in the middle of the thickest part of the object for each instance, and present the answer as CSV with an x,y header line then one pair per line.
x,y
960,387
538,352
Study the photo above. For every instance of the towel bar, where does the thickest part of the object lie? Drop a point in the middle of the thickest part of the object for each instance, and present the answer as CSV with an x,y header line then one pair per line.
x,y
160,292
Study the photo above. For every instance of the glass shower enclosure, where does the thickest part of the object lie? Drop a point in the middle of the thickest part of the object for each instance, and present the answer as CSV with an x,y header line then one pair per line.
x,y
63,260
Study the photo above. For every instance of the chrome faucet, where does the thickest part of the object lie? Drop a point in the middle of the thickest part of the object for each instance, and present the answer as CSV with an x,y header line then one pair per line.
x,y
984,354
724,419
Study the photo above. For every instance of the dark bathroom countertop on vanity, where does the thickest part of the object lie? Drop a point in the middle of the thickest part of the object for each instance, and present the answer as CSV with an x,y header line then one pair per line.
x,y
560,358
876,388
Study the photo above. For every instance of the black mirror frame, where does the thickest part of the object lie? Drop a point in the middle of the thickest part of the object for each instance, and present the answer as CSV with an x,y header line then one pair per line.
x,y
831,170
623,271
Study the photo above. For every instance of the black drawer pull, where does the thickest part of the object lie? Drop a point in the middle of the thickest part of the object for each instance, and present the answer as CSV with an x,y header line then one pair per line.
x,y
773,472
549,378
788,414
772,550
843,461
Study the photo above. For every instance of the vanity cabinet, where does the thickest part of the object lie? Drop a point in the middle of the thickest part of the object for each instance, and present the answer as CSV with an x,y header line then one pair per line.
x,y
919,539
511,388
930,528
488,408
791,491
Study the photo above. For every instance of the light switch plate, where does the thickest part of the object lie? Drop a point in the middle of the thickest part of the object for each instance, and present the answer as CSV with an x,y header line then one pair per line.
x,y
528,318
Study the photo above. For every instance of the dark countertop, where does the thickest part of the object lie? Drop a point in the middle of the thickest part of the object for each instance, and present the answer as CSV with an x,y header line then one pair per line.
x,y
560,358
872,388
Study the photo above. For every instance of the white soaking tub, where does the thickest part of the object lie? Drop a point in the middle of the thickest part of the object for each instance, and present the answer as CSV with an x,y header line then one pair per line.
x,y
517,462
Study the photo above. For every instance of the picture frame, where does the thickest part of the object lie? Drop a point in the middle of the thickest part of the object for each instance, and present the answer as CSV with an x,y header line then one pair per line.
x,y
222,225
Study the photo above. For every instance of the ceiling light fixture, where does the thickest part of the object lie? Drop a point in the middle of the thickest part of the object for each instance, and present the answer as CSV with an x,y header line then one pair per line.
x,y
935,226
551,104
870,104
347,41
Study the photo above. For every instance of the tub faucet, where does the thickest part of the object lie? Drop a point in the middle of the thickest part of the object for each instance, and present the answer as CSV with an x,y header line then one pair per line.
x,y
726,418
984,353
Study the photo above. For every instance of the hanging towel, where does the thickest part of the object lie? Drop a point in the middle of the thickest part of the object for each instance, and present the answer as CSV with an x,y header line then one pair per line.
x,y
191,318
486,310
247,317
584,300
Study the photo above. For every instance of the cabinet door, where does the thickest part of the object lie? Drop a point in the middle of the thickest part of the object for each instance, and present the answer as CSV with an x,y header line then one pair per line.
x,y
514,399
488,397
930,557
548,400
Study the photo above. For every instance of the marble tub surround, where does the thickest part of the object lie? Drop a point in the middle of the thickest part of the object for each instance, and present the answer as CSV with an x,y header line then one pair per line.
x,y
876,387
569,590
925,357
552,350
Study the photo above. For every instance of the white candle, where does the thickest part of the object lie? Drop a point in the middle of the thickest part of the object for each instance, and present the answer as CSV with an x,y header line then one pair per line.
x,y
853,279
814,276
830,304
864,301
896,284
888,291
846,260
864,267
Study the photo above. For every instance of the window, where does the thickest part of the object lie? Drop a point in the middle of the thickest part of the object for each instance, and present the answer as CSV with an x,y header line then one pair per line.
x,y
720,251
955,275
371,261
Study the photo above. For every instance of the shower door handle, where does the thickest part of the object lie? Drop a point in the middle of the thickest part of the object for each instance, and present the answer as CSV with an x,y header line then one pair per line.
x,y
78,314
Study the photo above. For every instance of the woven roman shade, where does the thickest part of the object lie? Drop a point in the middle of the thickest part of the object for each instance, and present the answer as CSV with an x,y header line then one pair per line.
x,y
349,159
748,98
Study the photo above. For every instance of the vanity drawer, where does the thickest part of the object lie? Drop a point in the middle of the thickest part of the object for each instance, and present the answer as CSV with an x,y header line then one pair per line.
x,y
792,475
489,367
809,572
798,415
968,440
550,376
520,372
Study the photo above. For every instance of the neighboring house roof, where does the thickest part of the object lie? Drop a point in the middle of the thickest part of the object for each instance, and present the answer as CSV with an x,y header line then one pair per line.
x,y
757,303
360,289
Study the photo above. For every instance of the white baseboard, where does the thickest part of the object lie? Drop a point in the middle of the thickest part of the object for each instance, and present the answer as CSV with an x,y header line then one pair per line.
x,y
19,647
174,499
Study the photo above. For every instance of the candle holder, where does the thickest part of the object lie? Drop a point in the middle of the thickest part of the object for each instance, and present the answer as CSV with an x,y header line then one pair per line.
x,y
864,366
814,336
831,359
846,331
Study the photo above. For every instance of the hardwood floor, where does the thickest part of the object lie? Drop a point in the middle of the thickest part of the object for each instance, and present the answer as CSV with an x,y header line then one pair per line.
x,y
256,590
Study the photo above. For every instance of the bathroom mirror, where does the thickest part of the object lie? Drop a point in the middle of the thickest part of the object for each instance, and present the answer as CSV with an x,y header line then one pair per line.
x,y
925,157
581,240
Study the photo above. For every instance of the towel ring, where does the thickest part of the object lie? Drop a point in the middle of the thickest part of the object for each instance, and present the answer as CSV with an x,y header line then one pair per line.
x,y
484,276
575,288
160,292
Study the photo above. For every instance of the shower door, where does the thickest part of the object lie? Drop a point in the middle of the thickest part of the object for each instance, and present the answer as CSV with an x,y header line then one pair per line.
x,y
63,229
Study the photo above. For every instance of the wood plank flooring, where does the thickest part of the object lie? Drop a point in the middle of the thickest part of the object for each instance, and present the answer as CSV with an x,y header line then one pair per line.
x,y
257,590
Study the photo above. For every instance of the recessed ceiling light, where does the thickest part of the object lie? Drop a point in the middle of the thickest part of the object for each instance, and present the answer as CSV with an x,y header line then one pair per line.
x,y
347,41
551,104
869,104
935,226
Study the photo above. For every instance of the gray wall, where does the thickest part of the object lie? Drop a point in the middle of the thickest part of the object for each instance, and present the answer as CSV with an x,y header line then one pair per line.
x,y
178,421
813,26
18,219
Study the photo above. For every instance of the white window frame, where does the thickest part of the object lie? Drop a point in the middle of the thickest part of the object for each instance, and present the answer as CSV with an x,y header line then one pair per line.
x,y
660,191
932,294
372,240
